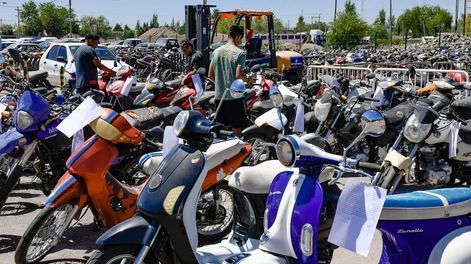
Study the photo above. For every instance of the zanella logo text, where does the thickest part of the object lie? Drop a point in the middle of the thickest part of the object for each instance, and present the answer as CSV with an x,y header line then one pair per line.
x,y
405,231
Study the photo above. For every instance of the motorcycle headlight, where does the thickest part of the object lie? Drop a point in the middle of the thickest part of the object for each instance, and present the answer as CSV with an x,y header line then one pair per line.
x,y
321,110
287,151
415,131
180,122
23,120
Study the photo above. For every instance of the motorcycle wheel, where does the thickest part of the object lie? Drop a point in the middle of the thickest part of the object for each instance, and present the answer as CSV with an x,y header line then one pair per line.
x,y
43,233
386,177
212,224
121,254
260,153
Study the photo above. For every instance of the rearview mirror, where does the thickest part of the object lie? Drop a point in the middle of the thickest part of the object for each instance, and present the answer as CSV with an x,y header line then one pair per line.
x,y
276,97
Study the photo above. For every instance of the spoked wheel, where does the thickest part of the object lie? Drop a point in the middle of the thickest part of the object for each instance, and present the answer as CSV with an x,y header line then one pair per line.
x,y
122,254
215,214
260,151
44,233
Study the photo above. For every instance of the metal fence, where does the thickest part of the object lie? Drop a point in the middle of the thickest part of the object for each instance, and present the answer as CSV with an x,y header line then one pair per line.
x,y
349,72
453,65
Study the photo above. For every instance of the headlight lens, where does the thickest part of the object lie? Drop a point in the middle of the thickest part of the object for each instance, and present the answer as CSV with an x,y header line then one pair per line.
x,y
414,131
23,120
321,110
285,153
180,122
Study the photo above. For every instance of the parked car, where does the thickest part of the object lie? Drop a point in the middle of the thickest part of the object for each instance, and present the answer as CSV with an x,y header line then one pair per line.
x,y
22,47
116,44
131,42
62,55
147,46
167,43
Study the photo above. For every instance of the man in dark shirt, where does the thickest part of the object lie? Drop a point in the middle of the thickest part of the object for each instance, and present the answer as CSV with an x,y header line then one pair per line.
x,y
196,57
86,64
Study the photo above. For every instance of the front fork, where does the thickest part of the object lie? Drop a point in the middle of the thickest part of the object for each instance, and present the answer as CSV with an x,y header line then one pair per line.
x,y
141,256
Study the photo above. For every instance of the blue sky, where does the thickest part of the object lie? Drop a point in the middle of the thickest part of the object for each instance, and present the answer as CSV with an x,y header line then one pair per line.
x,y
128,11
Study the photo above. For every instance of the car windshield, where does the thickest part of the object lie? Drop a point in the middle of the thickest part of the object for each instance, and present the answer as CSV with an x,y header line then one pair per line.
x,y
103,52
161,42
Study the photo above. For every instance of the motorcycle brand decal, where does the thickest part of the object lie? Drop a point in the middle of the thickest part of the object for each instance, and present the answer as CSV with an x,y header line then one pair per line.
x,y
194,161
407,231
274,193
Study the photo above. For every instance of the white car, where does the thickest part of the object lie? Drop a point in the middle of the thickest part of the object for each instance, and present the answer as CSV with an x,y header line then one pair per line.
x,y
62,55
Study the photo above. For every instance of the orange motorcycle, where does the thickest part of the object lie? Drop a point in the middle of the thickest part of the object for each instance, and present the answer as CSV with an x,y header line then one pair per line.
x,y
88,182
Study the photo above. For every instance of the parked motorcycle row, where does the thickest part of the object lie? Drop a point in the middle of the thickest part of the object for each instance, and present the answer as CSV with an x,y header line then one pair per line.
x,y
168,184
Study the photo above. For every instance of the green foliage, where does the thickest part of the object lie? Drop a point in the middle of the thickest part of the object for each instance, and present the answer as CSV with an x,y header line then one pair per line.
x,y
48,17
378,30
97,25
422,20
154,21
348,29
7,29
300,25
381,18
127,32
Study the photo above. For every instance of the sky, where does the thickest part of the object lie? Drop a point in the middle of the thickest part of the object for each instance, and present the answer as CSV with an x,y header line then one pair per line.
x,y
129,11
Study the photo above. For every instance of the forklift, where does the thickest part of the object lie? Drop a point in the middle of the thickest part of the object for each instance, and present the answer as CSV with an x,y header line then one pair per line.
x,y
198,25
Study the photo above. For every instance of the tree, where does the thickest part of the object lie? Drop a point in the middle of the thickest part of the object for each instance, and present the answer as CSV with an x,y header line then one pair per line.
x,y
7,29
381,18
422,20
300,25
154,22
348,29
278,25
128,33
138,28
378,30
46,17
97,25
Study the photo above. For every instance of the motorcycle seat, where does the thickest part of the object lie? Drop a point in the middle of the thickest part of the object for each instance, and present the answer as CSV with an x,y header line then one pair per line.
x,y
205,100
173,83
170,112
262,106
216,154
144,63
462,108
37,75
429,204
249,93
465,133
144,118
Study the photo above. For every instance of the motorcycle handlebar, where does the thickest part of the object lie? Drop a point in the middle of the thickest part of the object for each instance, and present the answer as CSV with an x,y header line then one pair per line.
x,y
362,98
369,166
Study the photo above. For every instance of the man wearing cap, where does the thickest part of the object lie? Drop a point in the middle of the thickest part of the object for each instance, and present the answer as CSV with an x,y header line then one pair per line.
x,y
86,64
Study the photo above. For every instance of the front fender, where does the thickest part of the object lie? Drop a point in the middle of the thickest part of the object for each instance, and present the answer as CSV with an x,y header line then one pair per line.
x,y
134,231
9,140
451,248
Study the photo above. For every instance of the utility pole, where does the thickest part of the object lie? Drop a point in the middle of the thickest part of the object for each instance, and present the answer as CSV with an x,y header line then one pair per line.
x,y
456,15
464,18
335,11
390,22
18,15
70,18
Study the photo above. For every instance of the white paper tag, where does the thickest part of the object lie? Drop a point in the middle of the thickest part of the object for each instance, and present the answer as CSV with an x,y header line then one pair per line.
x,y
357,215
127,85
453,144
3,107
378,95
77,140
85,113
198,86
299,120
170,140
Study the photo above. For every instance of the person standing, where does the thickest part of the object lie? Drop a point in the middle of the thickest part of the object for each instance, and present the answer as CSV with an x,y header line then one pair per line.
x,y
227,65
195,56
87,63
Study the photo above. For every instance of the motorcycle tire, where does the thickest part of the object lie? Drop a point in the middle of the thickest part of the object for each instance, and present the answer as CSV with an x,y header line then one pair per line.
x,y
40,227
117,253
10,181
214,227
387,177
267,152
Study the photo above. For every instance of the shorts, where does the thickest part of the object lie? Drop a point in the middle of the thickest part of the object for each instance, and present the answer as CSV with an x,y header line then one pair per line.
x,y
232,113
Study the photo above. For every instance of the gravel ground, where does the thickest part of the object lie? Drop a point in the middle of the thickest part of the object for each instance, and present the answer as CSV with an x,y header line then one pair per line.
x,y
79,241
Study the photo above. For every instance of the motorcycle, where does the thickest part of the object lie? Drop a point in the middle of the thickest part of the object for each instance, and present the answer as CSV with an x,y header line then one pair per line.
x,y
87,181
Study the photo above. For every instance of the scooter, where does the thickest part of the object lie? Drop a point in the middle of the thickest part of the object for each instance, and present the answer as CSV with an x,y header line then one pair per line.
x,y
87,181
